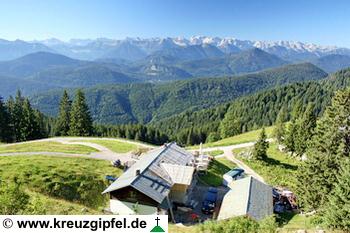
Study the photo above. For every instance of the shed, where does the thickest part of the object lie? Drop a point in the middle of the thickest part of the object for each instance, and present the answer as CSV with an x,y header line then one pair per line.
x,y
247,197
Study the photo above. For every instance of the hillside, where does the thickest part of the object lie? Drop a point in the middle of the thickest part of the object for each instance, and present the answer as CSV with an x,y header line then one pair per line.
x,y
254,111
245,62
35,62
14,49
81,76
41,71
146,102
333,62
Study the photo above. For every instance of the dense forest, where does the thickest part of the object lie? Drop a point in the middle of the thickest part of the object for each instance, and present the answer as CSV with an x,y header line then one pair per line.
x,y
20,122
251,112
192,127
146,102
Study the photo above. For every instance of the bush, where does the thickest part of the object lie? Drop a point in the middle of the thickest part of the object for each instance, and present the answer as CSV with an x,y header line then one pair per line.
x,y
239,225
13,199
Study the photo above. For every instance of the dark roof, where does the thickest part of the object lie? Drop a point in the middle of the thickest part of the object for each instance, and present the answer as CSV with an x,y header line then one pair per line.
x,y
235,172
153,180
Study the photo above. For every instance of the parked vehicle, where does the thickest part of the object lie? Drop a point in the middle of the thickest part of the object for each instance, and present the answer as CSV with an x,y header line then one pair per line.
x,y
209,202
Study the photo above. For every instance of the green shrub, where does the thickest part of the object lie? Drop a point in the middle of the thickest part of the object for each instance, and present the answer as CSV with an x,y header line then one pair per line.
x,y
239,225
13,199
77,180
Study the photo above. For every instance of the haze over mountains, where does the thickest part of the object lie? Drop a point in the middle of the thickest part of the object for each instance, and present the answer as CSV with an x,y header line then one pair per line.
x,y
145,102
128,80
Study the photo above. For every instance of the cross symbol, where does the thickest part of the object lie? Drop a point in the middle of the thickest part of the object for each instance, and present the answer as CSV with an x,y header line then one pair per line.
x,y
157,219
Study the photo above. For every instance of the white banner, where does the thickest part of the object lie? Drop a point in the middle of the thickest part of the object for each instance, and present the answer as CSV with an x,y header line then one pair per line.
x,y
83,223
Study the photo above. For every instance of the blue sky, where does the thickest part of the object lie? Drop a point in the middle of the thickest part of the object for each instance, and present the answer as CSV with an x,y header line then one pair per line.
x,y
321,21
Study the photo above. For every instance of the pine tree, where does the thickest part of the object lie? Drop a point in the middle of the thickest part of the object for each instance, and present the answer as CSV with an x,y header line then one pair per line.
x,y
290,136
305,130
297,110
280,126
30,127
337,213
63,119
190,137
229,126
261,146
17,118
80,119
329,149
5,130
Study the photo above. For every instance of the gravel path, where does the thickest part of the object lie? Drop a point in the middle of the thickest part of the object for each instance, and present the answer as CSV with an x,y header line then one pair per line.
x,y
106,154
230,156
103,152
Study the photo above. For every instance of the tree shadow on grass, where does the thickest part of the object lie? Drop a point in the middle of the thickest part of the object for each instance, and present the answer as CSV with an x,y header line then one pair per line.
x,y
275,162
215,173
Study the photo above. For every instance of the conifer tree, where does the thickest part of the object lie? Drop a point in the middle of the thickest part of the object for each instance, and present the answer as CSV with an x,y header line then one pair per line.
x,y
261,146
329,149
80,119
17,118
63,119
30,127
337,213
305,130
280,126
5,132
297,110
230,125
290,136
190,137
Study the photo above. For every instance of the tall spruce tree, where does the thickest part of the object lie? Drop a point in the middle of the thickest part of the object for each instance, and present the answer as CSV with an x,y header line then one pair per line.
x,y
17,118
293,127
337,212
229,126
80,119
329,149
290,136
261,146
5,130
63,119
305,129
30,128
280,125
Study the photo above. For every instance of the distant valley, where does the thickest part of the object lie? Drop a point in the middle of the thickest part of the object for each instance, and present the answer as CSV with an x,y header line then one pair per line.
x,y
142,80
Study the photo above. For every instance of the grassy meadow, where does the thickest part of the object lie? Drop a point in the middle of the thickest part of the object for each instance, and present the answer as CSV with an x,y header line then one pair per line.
x,y
77,181
113,145
279,169
250,136
217,168
46,147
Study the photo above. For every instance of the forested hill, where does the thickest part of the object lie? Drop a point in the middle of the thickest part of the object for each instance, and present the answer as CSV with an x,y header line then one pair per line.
x,y
145,102
252,112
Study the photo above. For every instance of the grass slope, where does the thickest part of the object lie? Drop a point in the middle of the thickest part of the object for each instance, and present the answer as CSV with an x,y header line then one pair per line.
x,y
79,180
217,168
57,206
114,145
279,169
250,136
47,147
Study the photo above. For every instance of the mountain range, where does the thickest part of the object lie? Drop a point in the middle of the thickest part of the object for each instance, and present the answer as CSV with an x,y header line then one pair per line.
x,y
144,80
137,48
146,102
